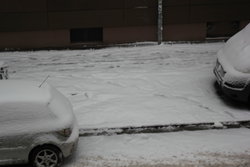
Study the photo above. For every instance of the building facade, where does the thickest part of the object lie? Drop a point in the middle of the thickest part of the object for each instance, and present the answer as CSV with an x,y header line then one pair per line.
x,y
69,23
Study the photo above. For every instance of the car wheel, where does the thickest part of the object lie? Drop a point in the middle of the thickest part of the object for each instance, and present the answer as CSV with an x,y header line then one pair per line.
x,y
46,156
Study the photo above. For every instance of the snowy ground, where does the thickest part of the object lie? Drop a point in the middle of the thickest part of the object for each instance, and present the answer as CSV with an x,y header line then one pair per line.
x,y
144,85
133,86
212,148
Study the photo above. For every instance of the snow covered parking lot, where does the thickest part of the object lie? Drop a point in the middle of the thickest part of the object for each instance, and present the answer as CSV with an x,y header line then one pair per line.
x,y
143,85
132,86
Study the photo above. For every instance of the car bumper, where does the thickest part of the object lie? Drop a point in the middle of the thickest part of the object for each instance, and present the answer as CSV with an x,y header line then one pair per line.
x,y
69,148
234,93
70,145
239,95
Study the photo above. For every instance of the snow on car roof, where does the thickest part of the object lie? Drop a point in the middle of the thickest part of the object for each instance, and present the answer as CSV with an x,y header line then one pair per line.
x,y
23,91
23,101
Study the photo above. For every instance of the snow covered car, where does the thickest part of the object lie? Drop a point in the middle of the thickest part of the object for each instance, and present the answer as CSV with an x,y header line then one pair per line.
x,y
37,124
232,68
3,70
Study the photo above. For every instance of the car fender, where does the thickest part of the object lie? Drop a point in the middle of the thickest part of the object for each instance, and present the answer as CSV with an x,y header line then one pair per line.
x,y
44,139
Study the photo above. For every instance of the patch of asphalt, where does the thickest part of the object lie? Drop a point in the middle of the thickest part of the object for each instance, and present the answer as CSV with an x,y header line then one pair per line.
x,y
164,128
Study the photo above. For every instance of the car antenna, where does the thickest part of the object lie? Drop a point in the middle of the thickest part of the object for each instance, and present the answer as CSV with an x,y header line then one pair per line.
x,y
44,81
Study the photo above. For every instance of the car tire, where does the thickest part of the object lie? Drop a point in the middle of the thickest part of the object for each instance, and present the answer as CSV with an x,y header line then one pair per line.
x,y
46,156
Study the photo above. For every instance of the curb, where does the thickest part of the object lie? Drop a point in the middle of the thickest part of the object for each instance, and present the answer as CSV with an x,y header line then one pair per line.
x,y
164,128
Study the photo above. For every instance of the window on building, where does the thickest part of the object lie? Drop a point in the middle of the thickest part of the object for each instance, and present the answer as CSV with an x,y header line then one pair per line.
x,y
222,29
86,35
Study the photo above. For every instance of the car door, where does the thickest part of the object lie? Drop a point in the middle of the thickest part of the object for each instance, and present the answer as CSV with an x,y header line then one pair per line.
x,y
14,148
1,150
14,141
6,150
20,123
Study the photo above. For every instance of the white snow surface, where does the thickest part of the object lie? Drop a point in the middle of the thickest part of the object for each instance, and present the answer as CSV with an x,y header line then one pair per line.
x,y
132,86
236,52
212,148
3,64
26,108
23,91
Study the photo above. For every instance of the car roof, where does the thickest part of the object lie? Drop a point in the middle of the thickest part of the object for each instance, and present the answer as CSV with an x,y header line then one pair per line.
x,y
24,91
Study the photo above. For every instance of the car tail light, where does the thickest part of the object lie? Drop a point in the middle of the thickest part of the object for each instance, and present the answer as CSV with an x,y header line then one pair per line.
x,y
65,132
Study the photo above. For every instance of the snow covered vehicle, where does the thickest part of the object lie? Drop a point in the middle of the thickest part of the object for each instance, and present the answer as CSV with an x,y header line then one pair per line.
x,y
3,70
232,68
37,124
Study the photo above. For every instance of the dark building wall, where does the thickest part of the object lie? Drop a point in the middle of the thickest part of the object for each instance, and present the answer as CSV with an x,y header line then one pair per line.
x,y
101,13
34,39
23,15
199,19
199,11
48,22
129,34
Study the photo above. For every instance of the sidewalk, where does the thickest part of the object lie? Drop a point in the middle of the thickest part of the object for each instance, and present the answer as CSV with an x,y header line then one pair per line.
x,y
211,148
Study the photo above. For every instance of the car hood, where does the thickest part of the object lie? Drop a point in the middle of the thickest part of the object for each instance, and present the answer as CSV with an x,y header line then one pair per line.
x,y
236,51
